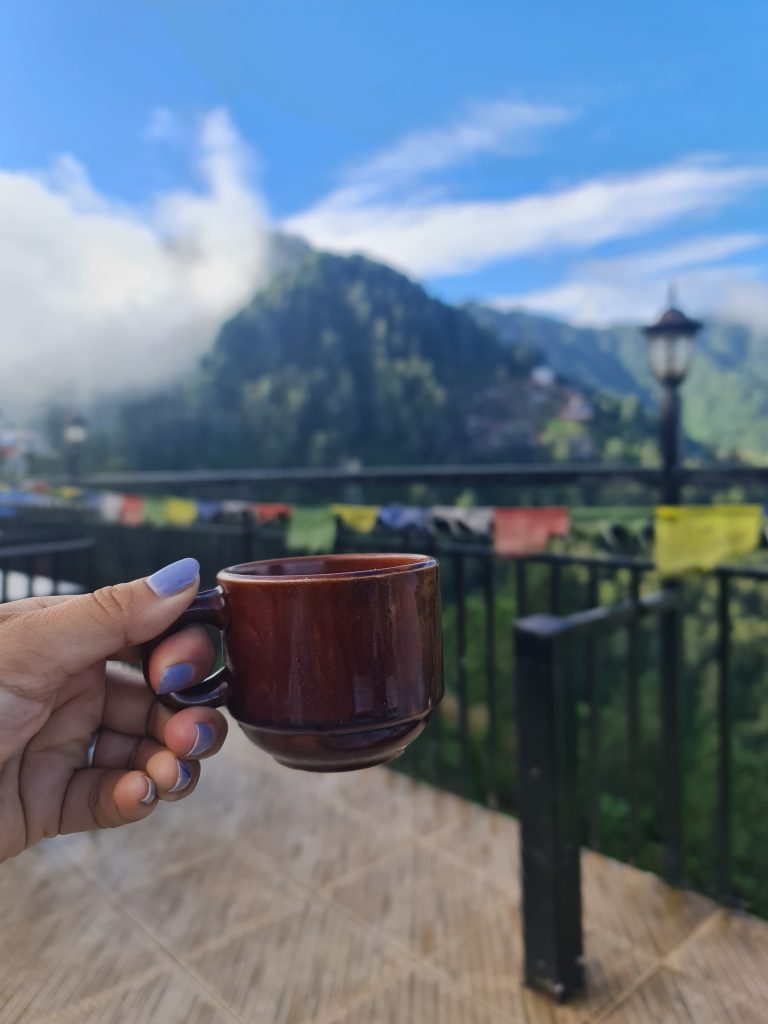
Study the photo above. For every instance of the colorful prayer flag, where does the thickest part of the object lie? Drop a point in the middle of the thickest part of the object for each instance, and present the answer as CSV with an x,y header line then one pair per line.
x,y
207,510
404,517
180,511
360,518
525,531
132,512
155,511
312,530
266,512
110,506
459,520
701,537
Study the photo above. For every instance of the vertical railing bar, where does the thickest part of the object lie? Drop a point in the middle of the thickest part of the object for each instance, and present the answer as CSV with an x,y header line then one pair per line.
x,y
724,739
554,589
671,781
489,594
593,741
633,720
55,581
521,587
461,665
4,584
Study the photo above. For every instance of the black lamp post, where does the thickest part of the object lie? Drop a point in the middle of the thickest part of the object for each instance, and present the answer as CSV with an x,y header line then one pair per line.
x,y
670,351
75,434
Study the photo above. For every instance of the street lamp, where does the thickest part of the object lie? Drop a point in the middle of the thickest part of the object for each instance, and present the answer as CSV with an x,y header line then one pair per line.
x,y
670,351
75,434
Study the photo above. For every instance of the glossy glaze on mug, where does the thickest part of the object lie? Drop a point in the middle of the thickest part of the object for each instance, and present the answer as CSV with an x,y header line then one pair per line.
x,y
335,661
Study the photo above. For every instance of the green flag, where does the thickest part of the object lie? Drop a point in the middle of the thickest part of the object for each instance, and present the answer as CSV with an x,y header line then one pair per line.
x,y
311,530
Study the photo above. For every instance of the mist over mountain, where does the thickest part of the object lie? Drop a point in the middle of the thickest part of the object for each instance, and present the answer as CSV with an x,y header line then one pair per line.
x,y
344,358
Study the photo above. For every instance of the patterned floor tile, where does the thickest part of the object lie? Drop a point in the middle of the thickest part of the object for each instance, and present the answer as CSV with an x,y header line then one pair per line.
x,y
406,807
730,951
49,963
199,903
34,884
168,998
123,858
419,899
317,842
486,841
299,969
671,998
488,964
417,997
638,907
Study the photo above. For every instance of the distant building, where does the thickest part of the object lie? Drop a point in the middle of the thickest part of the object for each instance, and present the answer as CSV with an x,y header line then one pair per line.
x,y
577,409
543,377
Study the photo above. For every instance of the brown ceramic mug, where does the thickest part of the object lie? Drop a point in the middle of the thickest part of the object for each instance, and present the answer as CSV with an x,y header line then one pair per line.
x,y
331,662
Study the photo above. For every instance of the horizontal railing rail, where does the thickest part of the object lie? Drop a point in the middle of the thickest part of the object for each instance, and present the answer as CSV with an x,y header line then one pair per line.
x,y
479,473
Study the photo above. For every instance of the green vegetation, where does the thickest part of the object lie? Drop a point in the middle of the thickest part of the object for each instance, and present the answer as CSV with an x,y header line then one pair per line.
x,y
343,358
726,398
439,754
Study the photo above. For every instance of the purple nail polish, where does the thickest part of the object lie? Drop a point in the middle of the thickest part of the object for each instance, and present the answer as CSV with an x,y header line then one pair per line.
x,y
183,779
149,797
204,741
175,677
174,577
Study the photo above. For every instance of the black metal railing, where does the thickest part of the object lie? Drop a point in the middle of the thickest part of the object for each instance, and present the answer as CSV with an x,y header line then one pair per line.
x,y
661,688
44,567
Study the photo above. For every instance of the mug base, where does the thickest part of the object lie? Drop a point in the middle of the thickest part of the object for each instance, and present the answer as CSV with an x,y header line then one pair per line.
x,y
336,751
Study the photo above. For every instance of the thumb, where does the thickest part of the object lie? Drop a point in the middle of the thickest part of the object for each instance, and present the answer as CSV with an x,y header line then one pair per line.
x,y
90,627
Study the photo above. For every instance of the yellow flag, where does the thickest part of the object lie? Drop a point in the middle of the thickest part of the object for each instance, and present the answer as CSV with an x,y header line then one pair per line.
x,y
360,518
68,492
703,536
180,511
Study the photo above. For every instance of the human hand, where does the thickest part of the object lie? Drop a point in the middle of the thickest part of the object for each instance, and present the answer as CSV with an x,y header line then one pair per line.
x,y
57,692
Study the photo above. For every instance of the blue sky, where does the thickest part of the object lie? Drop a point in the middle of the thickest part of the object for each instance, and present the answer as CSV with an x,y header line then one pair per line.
x,y
563,157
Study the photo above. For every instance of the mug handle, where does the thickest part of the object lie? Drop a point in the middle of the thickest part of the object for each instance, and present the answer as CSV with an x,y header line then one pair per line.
x,y
208,609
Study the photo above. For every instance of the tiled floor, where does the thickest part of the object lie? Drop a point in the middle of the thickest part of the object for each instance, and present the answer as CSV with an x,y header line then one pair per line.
x,y
274,897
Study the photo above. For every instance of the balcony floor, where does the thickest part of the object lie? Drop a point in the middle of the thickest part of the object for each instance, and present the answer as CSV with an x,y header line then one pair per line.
x,y
274,897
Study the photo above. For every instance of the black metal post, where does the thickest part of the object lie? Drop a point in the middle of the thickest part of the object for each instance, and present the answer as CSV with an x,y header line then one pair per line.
x,y
73,464
671,782
549,811
670,652
670,444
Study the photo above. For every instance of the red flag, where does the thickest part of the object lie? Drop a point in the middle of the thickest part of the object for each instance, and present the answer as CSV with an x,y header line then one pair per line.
x,y
525,531
132,512
266,512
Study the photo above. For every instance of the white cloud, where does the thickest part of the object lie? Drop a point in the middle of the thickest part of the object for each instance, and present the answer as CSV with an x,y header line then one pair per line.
x,y
433,238
632,288
693,252
98,298
497,127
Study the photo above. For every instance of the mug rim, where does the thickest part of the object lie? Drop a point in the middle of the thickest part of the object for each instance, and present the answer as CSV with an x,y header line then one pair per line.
x,y
413,563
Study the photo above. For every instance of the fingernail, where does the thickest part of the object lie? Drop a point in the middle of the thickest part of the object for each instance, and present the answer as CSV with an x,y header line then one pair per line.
x,y
149,797
183,779
175,677
204,740
174,577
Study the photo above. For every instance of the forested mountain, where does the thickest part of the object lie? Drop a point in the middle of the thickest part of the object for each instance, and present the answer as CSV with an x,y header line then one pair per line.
x,y
344,358
726,396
